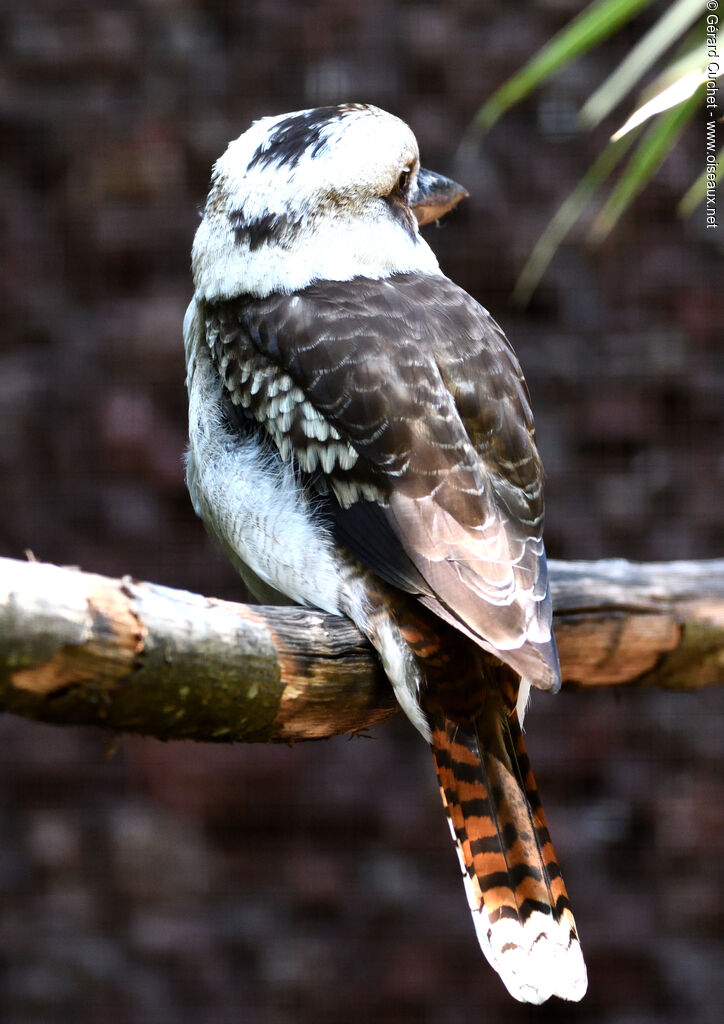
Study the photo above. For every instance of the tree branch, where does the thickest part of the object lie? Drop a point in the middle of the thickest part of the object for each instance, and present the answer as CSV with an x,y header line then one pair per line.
x,y
136,657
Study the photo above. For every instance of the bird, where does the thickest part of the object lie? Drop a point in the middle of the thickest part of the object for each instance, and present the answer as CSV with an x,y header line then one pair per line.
x,y
361,441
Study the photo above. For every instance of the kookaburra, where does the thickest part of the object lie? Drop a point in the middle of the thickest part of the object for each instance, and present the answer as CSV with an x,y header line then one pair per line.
x,y
361,441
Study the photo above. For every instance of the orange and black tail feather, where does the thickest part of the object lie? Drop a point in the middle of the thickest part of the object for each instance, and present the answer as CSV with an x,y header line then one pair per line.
x,y
515,890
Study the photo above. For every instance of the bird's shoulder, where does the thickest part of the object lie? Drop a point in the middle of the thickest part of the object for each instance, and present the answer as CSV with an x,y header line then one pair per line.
x,y
365,352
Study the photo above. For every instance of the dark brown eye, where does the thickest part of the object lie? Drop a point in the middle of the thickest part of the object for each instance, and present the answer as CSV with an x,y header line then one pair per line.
x,y
402,182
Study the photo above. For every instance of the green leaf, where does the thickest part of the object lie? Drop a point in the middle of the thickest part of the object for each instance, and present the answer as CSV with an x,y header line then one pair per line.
x,y
676,93
566,216
667,31
692,57
600,20
651,151
696,194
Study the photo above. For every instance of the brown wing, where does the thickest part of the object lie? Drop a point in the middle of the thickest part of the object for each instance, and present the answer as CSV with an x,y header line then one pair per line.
x,y
404,403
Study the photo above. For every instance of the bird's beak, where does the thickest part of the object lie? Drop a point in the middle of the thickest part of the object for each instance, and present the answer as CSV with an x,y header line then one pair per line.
x,y
435,196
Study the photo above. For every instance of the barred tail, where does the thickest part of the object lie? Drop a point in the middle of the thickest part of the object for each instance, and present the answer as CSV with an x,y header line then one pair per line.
x,y
519,903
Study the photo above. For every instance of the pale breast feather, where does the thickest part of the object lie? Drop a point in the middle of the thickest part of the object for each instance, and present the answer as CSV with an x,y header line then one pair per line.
x,y
405,405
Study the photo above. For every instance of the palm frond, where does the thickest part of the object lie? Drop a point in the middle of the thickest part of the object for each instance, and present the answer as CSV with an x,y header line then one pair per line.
x,y
565,218
696,194
661,37
654,147
599,21
668,102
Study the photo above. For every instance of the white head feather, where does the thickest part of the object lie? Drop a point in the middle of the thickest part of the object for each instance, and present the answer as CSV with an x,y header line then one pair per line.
x,y
303,197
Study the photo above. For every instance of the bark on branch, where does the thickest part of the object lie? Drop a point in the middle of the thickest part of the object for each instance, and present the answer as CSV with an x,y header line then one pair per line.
x,y
137,657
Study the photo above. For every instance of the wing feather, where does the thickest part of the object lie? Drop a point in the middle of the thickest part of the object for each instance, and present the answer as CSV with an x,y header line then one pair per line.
x,y
403,396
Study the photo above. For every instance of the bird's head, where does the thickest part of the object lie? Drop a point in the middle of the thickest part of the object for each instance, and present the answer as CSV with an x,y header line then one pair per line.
x,y
324,194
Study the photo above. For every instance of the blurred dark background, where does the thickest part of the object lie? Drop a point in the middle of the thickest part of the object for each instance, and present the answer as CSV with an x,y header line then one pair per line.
x,y
184,883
